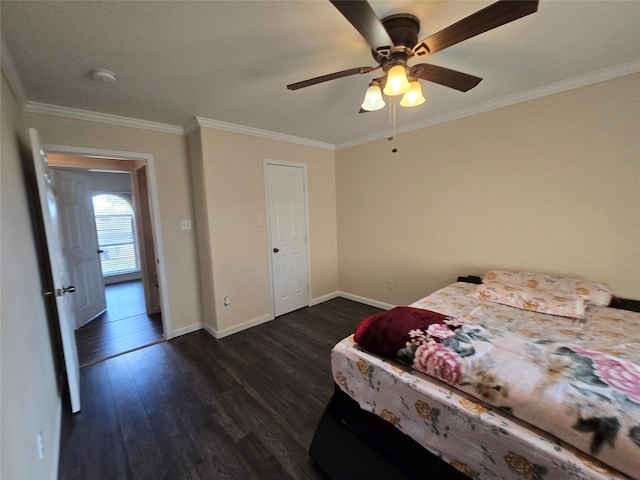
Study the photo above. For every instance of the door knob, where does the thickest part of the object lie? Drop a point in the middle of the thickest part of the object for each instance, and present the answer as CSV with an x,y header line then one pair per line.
x,y
276,250
58,292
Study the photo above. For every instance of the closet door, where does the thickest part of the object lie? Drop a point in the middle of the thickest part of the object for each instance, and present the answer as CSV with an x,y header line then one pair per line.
x,y
287,209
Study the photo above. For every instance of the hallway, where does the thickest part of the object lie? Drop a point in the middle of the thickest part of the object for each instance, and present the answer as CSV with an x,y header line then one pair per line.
x,y
122,328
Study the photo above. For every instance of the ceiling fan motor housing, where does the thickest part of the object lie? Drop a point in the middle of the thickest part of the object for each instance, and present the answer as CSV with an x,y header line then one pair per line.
x,y
403,29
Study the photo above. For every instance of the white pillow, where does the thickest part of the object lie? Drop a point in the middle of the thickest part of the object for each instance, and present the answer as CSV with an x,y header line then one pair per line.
x,y
599,293
532,299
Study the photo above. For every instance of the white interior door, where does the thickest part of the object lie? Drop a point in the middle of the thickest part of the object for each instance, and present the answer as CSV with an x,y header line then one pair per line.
x,y
287,204
80,245
59,272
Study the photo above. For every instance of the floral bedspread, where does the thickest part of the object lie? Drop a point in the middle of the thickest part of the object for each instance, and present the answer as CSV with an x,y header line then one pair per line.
x,y
578,380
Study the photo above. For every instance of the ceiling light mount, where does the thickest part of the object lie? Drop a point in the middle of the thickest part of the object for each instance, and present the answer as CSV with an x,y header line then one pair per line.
x,y
103,75
403,30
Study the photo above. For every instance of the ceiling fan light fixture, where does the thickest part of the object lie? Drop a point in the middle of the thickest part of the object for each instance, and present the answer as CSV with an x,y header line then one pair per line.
x,y
397,82
414,96
373,99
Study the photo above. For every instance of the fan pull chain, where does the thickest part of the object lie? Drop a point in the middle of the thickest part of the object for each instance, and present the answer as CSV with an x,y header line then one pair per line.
x,y
392,118
392,121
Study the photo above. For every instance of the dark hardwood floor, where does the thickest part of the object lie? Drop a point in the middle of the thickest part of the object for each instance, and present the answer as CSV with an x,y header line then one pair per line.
x,y
123,327
242,407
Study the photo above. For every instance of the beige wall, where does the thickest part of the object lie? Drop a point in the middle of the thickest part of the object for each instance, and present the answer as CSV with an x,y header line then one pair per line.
x,y
174,191
202,227
232,191
551,185
30,398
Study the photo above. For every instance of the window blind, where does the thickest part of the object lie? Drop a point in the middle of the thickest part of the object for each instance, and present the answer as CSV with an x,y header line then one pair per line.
x,y
115,225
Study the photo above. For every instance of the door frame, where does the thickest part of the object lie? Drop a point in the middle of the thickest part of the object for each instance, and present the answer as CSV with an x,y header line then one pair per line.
x,y
265,163
149,161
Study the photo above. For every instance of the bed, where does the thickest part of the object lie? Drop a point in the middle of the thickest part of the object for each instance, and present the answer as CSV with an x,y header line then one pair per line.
x,y
529,395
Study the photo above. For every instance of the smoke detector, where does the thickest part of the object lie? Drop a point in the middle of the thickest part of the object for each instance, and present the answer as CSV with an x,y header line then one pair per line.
x,y
103,75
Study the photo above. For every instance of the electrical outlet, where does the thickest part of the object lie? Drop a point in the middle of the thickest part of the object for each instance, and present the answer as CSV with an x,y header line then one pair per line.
x,y
226,302
40,442
391,284
185,224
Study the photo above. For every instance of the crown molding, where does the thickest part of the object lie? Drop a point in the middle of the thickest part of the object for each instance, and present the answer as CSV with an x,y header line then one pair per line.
x,y
13,79
256,132
191,126
558,87
11,74
196,122
58,111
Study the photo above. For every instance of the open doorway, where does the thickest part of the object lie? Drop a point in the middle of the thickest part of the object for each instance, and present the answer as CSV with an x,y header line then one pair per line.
x,y
123,327
118,222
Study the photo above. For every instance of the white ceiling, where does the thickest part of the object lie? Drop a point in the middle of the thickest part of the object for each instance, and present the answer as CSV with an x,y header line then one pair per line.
x,y
230,61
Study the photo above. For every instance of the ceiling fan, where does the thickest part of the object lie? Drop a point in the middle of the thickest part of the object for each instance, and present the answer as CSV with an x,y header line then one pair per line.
x,y
394,41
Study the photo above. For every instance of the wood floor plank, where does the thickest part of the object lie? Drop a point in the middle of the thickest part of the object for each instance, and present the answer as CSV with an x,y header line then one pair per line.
x,y
262,461
143,452
242,407
123,327
98,426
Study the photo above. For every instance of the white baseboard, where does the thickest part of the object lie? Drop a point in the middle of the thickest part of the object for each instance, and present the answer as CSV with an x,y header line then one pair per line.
x,y
350,296
209,330
184,330
225,332
366,301
324,298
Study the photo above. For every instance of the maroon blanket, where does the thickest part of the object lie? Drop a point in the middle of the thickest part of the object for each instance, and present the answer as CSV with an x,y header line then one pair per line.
x,y
387,332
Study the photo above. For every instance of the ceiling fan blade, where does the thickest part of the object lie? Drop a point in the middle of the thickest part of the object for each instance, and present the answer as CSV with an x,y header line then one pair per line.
x,y
495,15
444,76
366,22
330,76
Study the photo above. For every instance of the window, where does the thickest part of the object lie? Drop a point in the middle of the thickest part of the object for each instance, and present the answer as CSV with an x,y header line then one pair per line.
x,y
115,224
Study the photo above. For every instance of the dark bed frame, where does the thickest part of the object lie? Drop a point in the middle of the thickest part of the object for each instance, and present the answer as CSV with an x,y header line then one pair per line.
x,y
350,443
